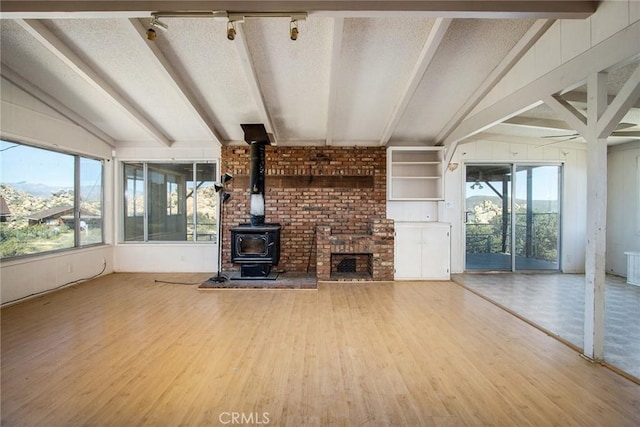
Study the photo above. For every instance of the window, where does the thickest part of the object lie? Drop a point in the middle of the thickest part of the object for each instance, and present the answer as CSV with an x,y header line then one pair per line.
x,y
170,202
49,200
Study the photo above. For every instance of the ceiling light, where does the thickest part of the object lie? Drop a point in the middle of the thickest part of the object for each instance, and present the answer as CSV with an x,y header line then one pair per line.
x,y
293,29
151,34
477,185
231,30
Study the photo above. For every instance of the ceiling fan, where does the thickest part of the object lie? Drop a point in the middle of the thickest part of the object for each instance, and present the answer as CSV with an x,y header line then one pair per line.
x,y
619,132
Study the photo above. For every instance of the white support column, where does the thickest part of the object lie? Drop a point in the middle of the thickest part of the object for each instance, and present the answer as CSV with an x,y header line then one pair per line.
x,y
596,219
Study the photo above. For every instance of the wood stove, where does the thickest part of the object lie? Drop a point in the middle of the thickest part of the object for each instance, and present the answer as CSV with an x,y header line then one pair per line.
x,y
256,245
255,248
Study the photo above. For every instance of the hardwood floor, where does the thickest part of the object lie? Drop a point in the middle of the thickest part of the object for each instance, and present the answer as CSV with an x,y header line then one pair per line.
x,y
125,350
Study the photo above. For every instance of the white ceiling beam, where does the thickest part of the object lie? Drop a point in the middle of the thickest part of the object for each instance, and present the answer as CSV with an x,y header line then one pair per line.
x,y
334,68
574,96
568,113
536,123
558,9
183,89
252,78
511,58
82,69
429,49
624,100
618,48
56,105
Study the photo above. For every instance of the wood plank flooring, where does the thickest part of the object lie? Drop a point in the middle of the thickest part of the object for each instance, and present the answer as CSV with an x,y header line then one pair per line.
x,y
125,350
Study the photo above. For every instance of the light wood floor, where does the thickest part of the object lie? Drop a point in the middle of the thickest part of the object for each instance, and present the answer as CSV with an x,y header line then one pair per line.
x,y
124,350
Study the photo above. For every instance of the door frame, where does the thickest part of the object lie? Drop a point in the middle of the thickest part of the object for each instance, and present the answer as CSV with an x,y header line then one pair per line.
x,y
513,165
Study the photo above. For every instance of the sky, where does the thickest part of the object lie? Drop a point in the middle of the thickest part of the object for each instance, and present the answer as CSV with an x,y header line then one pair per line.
x,y
20,163
545,185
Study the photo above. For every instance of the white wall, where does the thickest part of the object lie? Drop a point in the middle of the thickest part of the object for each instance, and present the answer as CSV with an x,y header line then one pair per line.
x,y
623,205
573,225
25,119
155,256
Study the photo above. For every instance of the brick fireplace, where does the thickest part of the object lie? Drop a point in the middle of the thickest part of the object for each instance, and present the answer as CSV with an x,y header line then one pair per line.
x,y
373,249
343,188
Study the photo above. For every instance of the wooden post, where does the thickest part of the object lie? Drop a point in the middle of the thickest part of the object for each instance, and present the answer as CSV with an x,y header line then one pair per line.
x,y
596,219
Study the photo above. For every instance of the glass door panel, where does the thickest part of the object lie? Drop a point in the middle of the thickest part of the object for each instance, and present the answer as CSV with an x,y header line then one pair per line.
x,y
488,217
537,217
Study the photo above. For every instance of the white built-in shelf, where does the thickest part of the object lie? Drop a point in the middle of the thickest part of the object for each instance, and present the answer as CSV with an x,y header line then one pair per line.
x,y
414,173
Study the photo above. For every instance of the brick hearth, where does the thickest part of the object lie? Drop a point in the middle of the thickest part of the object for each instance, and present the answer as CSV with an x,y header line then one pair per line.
x,y
378,243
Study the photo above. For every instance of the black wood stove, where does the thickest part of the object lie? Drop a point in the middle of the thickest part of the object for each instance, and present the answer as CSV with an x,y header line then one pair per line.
x,y
256,245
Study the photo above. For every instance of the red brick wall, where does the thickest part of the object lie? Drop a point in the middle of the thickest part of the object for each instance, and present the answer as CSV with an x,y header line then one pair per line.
x,y
343,187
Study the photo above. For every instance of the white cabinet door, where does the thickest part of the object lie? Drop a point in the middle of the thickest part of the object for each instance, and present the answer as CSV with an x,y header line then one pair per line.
x,y
408,252
422,251
435,251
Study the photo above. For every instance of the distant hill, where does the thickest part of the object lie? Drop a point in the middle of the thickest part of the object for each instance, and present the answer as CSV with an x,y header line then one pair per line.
x,y
538,205
46,191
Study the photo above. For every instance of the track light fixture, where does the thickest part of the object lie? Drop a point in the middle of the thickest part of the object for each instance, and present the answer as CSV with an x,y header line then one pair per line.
x,y
231,18
155,23
293,29
231,30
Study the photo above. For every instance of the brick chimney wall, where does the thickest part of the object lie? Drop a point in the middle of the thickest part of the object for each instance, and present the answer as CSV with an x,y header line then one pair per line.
x,y
342,187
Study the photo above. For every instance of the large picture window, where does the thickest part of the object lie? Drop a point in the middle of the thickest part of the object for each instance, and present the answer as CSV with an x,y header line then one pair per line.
x,y
49,200
170,201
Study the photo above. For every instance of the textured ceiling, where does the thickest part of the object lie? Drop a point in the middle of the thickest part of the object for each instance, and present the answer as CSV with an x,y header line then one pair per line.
x,y
351,78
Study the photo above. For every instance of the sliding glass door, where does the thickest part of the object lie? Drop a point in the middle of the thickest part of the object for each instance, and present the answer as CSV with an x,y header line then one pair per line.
x,y
512,217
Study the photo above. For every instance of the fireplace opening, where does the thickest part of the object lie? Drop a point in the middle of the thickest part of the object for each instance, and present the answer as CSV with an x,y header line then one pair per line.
x,y
252,245
355,266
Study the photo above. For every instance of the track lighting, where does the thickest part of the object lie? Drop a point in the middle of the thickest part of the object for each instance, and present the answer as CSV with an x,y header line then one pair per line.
x,y
232,18
155,23
293,29
231,30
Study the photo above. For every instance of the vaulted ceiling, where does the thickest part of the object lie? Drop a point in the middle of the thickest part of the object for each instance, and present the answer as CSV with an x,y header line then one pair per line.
x,y
360,72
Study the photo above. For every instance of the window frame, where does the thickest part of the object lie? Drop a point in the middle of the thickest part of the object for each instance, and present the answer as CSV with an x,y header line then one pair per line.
x,y
77,182
145,165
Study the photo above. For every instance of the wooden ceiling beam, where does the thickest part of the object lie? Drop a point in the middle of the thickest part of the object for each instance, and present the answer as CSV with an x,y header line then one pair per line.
x,y
334,67
54,45
527,9
252,79
429,49
56,105
183,89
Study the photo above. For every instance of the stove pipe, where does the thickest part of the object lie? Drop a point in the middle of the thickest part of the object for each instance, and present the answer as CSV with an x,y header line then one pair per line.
x,y
256,136
256,182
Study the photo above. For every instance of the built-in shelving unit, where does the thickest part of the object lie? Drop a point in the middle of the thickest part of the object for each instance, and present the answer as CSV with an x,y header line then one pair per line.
x,y
414,173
